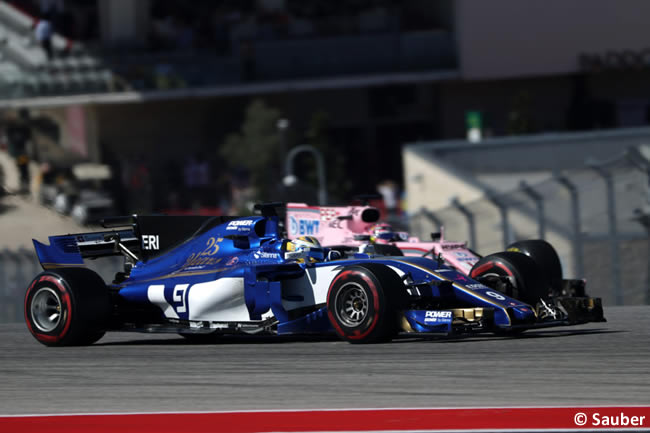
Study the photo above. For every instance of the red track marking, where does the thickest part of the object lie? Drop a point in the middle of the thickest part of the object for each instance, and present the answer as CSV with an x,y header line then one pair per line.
x,y
469,419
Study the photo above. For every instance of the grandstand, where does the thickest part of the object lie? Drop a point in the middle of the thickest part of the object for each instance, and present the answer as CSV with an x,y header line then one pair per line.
x,y
26,70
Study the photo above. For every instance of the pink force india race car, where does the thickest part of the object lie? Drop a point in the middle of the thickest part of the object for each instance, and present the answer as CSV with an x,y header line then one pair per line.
x,y
528,270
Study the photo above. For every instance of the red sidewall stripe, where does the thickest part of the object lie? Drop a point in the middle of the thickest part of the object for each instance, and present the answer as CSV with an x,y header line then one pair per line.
x,y
375,318
467,419
482,268
489,265
344,275
504,267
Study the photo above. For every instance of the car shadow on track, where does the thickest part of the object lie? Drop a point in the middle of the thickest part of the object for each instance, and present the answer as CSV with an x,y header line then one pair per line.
x,y
271,339
555,333
220,340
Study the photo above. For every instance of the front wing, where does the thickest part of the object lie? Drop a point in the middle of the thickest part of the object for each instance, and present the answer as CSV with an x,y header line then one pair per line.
x,y
561,311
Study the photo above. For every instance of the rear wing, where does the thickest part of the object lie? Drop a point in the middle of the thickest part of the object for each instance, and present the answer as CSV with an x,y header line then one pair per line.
x,y
138,237
72,249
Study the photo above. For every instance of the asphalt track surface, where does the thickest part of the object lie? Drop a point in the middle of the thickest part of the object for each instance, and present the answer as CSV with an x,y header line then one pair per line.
x,y
595,364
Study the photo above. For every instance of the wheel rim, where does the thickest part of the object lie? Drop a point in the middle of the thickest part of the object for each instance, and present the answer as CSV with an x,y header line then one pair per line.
x,y
46,309
351,304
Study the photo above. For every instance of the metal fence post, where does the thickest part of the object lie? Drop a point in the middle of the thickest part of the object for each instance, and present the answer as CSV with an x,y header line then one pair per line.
x,y
30,257
505,225
575,216
643,217
21,272
3,273
12,287
4,288
539,204
470,221
432,217
613,232
636,157
415,222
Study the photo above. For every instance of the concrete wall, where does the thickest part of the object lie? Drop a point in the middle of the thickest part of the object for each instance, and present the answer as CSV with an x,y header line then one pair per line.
x,y
514,38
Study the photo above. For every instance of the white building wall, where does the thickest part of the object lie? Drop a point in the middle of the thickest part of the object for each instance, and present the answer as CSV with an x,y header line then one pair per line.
x,y
431,184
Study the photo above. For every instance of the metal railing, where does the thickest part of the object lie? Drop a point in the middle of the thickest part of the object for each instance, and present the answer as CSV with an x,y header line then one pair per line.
x,y
597,218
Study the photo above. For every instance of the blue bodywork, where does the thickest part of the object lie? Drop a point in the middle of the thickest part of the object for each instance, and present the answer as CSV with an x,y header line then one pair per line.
x,y
250,249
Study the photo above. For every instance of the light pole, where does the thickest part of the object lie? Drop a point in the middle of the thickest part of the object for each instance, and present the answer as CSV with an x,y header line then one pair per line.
x,y
290,178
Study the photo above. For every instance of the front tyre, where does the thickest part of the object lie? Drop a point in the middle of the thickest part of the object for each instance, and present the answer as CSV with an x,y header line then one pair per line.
x,y
546,258
67,307
362,303
525,280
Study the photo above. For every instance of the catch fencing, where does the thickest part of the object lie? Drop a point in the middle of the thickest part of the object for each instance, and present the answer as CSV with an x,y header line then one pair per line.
x,y
19,267
596,217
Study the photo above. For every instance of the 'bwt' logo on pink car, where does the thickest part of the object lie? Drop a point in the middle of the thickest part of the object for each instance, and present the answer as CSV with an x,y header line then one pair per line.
x,y
300,226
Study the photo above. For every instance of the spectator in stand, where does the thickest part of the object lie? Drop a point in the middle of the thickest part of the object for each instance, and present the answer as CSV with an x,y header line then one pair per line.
x,y
43,33
389,192
197,179
139,185
184,34
19,135
55,11
247,56
221,30
51,7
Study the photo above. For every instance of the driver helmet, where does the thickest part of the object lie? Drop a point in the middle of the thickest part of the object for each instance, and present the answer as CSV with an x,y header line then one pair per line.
x,y
382,233
309,245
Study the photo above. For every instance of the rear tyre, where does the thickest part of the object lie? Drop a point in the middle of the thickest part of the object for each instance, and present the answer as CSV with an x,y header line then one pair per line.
x,y
546,258
525,280
67,307
363,302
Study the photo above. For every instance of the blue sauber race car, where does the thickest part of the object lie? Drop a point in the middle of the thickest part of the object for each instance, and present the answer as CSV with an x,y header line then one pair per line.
x,y
202,276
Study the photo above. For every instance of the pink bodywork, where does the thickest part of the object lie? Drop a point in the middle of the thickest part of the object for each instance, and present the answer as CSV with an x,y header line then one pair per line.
x,y
345,225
